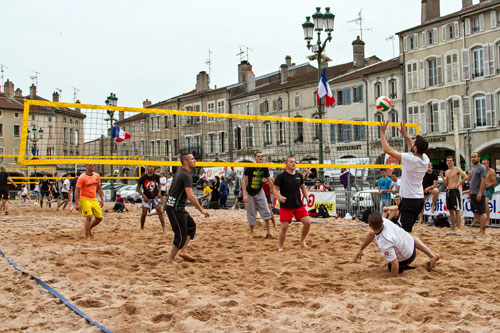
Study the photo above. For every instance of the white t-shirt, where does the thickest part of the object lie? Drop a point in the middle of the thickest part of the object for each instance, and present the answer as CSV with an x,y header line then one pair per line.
x,y
66,185
414,169
394,242
25,191
163,183
396,185
169,182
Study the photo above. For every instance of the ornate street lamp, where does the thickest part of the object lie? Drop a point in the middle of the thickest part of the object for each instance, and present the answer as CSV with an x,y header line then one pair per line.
x,y
322,22
111,100
34,136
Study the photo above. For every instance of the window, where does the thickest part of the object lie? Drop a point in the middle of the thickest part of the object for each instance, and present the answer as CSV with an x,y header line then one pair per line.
x,y
2,151
77,138
393,118
65,135
432,35
268,134
143,127
357,94
332,133
158,147
453,106
297,100
210,109
142,148
264,107
299,132
76,124
188,120
50,151
197,108
249,136
412,41
222,142
346,95
340,100
64,120
71,138
176,148
174,117
281,132
1,130
167,149
188,142
1,114
316,129
237,138
360,131
152,124
379,117
16,152
433,117
134,148
378,89
393,89
16,115
211,143
221,107
475,24
451,67
344,133
477,62
158,123
480,111
165,123
452,30
32,117
412,76
412,118
432,72
71,121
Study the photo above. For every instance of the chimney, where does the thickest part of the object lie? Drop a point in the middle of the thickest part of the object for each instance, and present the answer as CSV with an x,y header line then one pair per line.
x,y
284,73
358,48
243,68
250,79
19,93
55,97
288,61
146,103
430,10
78,102
466,3
202,82
8,89
32,91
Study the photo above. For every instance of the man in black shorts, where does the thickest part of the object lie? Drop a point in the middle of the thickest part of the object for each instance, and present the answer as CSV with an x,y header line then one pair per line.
x,y
45,186
4,189
478,191
149,189
414,168
453,178
182,223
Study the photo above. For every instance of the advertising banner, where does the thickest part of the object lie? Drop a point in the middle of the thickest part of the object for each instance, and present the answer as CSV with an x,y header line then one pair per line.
x,y
318,198
440,206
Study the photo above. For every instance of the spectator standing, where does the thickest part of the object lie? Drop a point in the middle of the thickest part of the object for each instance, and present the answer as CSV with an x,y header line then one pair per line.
x,y
384,188
224,191
478,191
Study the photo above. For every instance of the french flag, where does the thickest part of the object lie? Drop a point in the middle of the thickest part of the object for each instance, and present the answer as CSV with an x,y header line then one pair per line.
x,y
324,90
119,135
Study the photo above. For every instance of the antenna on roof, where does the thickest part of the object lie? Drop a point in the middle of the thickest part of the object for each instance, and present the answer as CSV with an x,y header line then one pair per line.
x,y
75,92
391,38
240,54
209,63
359,21
35,78
247,50
1,70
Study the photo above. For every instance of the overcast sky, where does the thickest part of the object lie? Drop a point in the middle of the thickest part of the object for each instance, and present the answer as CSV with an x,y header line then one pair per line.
x,y
154,49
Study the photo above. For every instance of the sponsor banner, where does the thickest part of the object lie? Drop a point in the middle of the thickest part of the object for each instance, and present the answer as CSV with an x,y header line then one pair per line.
x,y
358,173
107,195
215,171
318,198
440,206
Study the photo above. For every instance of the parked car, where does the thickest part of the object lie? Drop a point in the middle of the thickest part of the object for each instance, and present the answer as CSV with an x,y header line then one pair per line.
x,y
134,198
116,186
126,190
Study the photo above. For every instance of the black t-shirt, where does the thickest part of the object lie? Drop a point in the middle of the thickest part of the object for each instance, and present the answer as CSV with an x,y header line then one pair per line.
x,y
177,195
314,173
255,176
45,185
3,179
72,184
429,179
150,185
55,188
290,188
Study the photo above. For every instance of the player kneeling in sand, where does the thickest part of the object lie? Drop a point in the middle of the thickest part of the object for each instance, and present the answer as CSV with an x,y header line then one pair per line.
x,y
85,198
395,244
182,223
287,187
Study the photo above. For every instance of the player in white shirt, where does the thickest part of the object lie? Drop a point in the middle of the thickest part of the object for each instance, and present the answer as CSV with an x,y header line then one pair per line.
x,y
163,184
169,181
65,194
414,168
396,245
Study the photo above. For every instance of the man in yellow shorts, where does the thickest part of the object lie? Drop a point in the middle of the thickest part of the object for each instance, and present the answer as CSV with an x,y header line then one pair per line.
x,y
85,198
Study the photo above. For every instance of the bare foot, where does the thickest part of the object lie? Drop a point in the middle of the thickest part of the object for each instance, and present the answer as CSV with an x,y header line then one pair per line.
x,y
187,257
304,245
269,236
171,262
280,249
432,262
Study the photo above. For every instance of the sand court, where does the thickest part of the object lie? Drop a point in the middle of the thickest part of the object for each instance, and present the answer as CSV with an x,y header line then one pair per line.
x,y
121,281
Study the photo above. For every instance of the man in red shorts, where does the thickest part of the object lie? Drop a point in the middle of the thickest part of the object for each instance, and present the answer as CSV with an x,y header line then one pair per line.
x,y
287,187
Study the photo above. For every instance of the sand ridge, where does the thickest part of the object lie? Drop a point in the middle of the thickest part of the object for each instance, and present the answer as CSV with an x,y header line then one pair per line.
x,y
121,281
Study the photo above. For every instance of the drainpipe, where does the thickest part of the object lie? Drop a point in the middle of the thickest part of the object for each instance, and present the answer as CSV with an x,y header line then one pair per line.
x,y
289,123
363,78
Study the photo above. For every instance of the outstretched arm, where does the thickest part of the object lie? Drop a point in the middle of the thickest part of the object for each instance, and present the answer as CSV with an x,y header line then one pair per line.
x,y
385,145
368,239
405,135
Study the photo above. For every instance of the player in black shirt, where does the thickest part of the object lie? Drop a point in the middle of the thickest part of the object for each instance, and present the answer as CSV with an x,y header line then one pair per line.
x,y
149,189
287,188
4,189
182,223
45,186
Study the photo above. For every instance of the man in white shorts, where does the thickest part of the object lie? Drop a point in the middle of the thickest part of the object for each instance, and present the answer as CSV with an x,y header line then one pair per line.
x,y
395,245
149,188
65,194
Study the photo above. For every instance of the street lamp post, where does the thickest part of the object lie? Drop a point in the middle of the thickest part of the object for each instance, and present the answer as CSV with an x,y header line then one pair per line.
x,y
111,100
34,136
322,22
